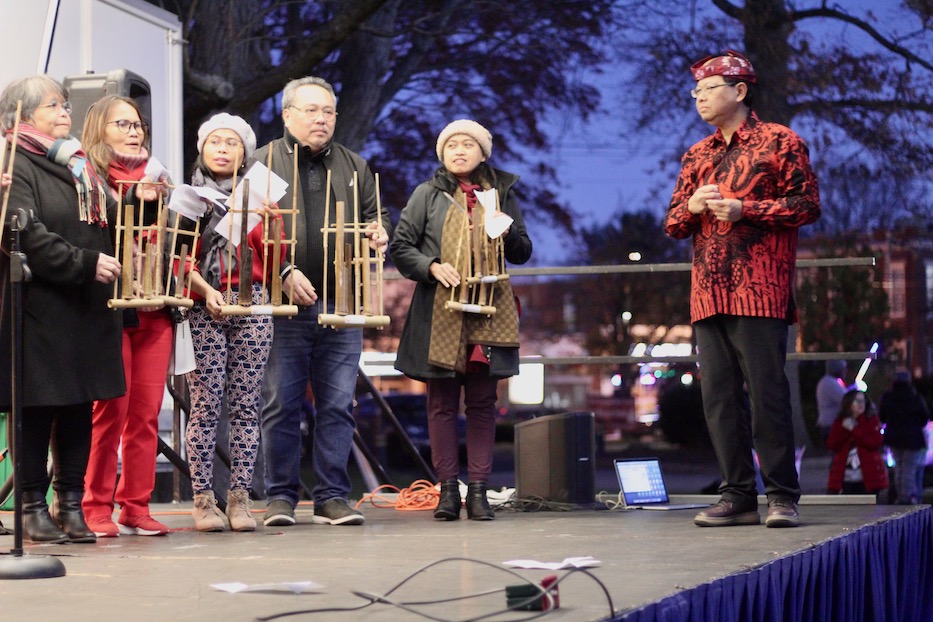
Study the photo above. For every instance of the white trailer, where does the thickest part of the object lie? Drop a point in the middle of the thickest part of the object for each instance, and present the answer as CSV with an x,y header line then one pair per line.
x,y
70,38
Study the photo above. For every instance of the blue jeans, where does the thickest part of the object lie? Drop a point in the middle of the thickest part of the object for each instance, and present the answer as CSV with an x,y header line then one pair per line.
x,y
303,350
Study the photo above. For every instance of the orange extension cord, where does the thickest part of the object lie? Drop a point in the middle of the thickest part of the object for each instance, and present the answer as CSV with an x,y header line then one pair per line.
x,y
421,495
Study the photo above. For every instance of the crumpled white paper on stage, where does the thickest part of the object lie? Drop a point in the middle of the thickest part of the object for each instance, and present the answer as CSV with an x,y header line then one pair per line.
x,y
569,562
295,587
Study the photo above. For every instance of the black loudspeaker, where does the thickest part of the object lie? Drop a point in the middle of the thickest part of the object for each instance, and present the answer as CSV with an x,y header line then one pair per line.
x,y
555,458
84,90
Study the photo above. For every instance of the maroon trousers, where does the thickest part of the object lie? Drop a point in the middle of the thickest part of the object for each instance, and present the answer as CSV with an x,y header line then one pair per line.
x,y
479,397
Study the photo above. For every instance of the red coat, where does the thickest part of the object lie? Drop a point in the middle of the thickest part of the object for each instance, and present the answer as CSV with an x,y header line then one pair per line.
x,y
866,437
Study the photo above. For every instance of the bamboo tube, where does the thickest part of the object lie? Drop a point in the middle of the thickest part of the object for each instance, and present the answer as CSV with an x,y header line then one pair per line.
x,y
127,257
227,294
6,195
245,267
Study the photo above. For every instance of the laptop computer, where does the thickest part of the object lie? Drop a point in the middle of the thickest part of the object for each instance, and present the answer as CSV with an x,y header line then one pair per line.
x,y
642,485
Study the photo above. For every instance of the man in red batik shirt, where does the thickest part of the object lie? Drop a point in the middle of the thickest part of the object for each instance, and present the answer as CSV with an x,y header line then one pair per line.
x,y
742,194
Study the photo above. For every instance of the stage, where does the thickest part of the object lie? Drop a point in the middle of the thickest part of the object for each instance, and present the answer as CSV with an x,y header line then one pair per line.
x,y
654,566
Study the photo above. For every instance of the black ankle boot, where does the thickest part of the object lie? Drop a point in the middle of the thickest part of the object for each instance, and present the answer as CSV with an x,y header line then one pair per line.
x,y
448,505
477,505
67,513
37,523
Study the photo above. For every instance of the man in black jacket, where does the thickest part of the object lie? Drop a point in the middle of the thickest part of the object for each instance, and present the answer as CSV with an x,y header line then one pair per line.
x,y
302,349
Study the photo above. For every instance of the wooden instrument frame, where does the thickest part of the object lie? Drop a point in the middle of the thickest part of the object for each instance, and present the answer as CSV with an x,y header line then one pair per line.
x,y
358,269
146,281
480,268
271,236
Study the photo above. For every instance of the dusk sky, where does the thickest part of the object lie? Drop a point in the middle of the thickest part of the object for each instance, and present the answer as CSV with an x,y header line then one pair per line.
x,y
603,168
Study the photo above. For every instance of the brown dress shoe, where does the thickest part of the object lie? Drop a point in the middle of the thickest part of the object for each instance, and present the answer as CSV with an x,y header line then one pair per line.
x,y
727,513
782,512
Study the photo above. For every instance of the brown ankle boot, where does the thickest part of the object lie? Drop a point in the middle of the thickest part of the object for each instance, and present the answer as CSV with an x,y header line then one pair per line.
x,y
238,505
207,516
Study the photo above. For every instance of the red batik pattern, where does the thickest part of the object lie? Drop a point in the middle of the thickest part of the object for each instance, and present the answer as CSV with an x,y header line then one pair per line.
x,y
747,267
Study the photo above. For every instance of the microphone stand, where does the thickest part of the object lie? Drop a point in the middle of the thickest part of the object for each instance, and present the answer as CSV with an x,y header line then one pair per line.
x,y
17,565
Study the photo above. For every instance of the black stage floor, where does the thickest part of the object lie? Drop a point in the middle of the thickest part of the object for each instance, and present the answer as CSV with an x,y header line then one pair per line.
x,y
644,556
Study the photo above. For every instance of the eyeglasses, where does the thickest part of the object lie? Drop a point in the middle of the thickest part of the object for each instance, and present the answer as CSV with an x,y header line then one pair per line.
x,y
314,112
125,126
697,92
229,143
66,106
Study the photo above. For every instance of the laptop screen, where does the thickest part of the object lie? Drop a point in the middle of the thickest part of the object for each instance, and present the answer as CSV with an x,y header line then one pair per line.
x,y
640,481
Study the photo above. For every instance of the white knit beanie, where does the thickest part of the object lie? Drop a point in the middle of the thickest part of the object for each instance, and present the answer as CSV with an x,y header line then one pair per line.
x,y
229,122
472,129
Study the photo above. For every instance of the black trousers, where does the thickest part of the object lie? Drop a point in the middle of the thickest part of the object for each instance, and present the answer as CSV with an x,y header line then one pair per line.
x,y
734,351
66,430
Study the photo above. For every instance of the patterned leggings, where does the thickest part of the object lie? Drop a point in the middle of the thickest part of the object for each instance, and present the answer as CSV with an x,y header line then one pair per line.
x,y
231,355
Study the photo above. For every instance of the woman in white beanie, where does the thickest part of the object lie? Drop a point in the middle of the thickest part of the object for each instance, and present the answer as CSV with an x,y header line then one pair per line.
x,y
230,351
426,243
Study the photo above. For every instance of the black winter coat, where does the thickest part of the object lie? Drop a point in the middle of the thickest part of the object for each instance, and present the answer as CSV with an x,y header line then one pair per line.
x,y
72,342
905,414
417,244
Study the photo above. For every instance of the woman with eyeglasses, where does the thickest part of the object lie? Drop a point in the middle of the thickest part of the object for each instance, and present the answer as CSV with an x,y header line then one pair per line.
x,y
117,145
71,340
856,441
230,351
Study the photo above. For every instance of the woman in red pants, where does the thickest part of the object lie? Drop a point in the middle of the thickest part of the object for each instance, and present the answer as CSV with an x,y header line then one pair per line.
x,y
116,140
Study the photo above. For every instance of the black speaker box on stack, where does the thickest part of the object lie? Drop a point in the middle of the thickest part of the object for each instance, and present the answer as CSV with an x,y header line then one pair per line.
x,y
84,90
555,458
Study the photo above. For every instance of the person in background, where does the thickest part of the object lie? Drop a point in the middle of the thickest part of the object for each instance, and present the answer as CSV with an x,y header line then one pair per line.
x,y
230,351
71,340
303,349
829,391
453,352
856,442
742,194
117,143
905,415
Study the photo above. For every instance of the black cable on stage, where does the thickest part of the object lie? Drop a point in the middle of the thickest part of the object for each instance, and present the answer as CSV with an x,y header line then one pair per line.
x,y
409,605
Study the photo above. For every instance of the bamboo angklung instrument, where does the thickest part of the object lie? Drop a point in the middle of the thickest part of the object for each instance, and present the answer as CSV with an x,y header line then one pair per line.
x,y
271,306
478,268
354,304
141,282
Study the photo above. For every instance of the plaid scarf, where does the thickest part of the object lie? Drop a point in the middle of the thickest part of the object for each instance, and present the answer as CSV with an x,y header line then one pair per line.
x,y
92,194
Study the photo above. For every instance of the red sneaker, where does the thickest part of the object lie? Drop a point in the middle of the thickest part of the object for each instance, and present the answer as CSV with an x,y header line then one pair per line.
x,y
141,525
103,526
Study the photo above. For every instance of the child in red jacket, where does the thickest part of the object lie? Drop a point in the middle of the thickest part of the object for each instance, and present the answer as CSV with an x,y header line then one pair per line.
x,y
856,441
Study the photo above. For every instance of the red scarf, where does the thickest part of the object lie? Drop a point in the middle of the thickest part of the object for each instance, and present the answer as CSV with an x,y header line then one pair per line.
x,y
469,191
126,167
